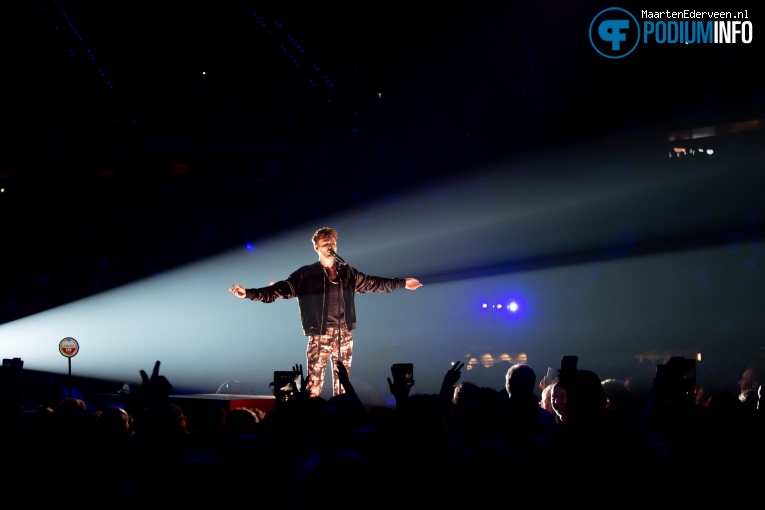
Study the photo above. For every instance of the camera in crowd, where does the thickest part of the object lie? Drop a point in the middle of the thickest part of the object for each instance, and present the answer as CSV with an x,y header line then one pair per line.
x,y
287,386
676,379
568,369
13,363
403,373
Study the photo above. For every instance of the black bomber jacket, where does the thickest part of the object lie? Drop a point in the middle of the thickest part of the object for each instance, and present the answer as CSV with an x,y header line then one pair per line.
x,y
310,285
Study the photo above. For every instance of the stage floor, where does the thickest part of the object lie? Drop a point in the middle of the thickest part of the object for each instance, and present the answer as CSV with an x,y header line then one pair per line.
x,y
228,401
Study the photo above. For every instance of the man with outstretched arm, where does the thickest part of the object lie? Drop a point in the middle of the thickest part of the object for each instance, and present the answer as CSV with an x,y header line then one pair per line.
x,y
325,291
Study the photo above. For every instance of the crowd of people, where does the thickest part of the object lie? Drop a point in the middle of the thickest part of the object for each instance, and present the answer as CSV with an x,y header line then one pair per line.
x,y
571,438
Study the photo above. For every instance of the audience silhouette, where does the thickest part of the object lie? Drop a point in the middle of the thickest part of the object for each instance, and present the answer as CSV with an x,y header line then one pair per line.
x,y
398,454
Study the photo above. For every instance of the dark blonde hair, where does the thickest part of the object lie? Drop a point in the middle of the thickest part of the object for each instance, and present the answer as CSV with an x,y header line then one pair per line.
x,y
324,233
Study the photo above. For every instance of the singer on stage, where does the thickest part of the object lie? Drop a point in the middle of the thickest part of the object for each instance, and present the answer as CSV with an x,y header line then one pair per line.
x,y
325,292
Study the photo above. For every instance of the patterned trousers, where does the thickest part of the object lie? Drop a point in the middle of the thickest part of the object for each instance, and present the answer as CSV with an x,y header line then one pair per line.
x,y
335,345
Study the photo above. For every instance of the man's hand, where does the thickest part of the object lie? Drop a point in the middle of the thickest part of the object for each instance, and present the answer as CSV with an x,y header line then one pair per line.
x,y
547,380
413,283
303,390
450,379
341,373
155,390
238,290
399,386
453,374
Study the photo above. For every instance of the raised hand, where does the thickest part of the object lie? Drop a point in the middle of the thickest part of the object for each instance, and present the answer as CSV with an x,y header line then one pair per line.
x,y
400,386
453,374
342,374
345,381
156,389
299,369
450,379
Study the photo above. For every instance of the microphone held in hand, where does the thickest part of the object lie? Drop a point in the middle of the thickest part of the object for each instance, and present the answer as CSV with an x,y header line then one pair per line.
x,y
338,258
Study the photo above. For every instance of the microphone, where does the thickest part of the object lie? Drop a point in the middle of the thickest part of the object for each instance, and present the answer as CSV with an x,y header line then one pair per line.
x,y
337,257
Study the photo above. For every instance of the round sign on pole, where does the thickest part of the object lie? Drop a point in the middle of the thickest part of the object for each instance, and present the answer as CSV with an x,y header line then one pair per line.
x,y
68,347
